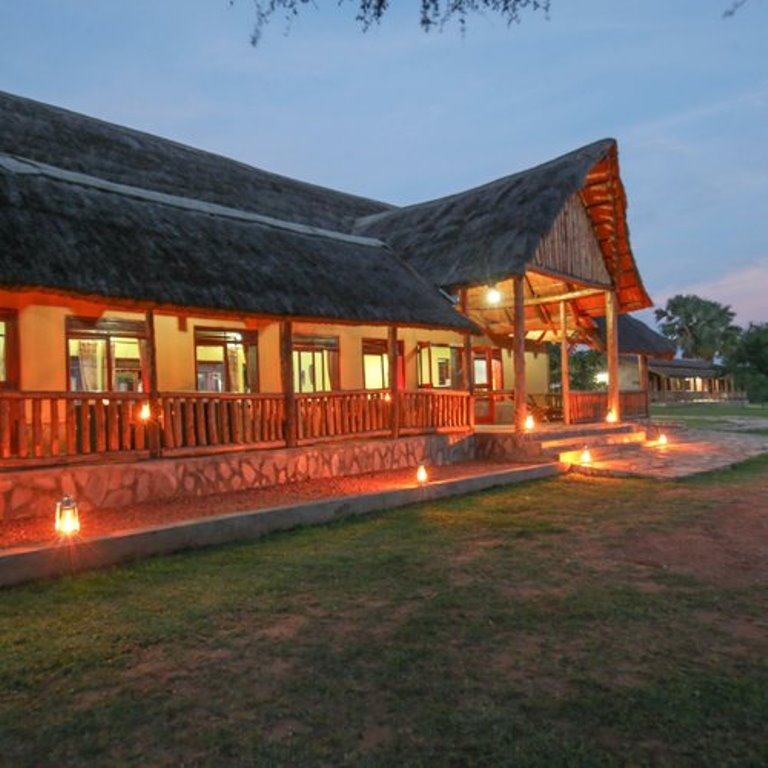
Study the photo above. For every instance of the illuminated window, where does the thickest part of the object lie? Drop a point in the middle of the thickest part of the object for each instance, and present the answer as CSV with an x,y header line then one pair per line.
x,y
107,355
315,363
9,355
226,361
376,364
439,365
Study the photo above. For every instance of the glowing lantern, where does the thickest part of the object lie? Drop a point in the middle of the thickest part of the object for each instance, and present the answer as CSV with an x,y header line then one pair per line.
x,y
421,474
67,517
586,456
493,296
611,417
529,423
145,412
387,397
663,439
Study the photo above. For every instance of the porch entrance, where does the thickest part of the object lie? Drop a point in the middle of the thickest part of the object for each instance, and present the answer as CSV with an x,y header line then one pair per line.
x,y
489,380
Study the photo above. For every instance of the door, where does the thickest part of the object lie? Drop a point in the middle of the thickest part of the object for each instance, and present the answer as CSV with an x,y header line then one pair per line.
x,y
489,380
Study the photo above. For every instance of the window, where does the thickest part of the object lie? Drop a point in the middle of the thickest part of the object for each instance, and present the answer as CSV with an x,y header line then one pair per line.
x,y
376,364
226,361
9,349
439,365
107,355
315,363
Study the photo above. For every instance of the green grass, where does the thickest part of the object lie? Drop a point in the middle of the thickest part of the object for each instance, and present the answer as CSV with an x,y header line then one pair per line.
x,y
713,415
522,626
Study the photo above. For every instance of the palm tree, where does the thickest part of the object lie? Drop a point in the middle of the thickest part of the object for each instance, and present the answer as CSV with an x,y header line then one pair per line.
x,y
700,328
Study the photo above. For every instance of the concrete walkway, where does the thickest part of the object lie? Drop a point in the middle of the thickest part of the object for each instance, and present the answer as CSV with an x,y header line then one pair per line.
x,y
689,452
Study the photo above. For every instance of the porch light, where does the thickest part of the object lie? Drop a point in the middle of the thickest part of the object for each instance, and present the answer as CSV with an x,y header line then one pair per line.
x,y
145,412
67,521
529,423
493,296
611,417
586,456
421,474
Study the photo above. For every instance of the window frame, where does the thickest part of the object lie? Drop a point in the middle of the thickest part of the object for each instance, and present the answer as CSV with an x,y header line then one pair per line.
x,y
12,357
316,343
381,347
248,339
454,349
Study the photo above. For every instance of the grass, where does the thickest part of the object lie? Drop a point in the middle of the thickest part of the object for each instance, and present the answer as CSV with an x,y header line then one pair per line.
x,y
714,415
522,626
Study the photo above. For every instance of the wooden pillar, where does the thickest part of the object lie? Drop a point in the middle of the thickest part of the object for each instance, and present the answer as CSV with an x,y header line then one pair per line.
x,y
469,366
645,384
565,371
286,377
155,407
518,349
612,344
394,384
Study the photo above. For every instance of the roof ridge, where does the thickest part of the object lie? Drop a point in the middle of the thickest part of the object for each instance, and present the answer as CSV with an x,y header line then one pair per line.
x,y
22,165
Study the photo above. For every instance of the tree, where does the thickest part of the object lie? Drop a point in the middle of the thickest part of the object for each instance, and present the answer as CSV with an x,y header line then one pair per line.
x,y
748,361
699,327
583,367
432,13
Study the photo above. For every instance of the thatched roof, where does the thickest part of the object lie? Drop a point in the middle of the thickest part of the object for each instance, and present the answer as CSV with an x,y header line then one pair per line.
x,y
76,142
685,369
488,234
636,338
70,232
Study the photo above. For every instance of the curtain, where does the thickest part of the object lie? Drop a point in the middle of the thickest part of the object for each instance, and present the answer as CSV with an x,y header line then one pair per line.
x,y
233,367
88,354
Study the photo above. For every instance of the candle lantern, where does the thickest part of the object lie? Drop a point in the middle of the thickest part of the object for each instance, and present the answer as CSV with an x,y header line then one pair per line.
x,y
421,474
67,522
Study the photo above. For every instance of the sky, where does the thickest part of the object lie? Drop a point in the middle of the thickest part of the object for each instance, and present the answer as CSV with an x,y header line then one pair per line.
x,y
402,116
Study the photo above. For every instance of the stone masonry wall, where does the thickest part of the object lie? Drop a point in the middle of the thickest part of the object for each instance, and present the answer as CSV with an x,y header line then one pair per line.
x,y
29,493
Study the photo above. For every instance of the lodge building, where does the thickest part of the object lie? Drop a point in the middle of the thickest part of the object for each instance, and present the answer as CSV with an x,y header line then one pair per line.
x,y
161,301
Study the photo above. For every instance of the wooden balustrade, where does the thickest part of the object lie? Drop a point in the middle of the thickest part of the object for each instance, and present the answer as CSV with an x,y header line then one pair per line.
x,y
634,405
435,410
59,427
63,425
588,406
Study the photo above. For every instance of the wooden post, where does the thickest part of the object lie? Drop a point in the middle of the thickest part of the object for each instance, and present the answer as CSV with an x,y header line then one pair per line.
x,y
518,348
469,366
642,365
153,425
612,348
565,371
394,384
286,377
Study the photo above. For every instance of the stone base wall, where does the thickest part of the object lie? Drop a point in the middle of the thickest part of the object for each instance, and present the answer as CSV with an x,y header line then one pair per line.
x,y
507,447
34,492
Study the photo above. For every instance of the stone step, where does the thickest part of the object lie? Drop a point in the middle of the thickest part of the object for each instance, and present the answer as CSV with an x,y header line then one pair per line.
x,y
573,443
601,452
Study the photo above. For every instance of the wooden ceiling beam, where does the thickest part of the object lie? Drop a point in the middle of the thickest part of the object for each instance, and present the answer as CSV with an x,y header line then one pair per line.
x,y
569,296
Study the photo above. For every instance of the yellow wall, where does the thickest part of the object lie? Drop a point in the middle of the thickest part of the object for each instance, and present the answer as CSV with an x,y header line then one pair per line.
x,y
536,371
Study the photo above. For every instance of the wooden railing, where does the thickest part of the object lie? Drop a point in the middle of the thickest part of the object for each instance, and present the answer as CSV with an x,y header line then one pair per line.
x,y
328,415
684,396
59,427
634,404
433,410
588,406
194,420
50,425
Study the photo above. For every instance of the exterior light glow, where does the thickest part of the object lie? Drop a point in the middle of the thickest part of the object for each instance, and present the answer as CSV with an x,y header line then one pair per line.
x,y
663,439
493,296
67,521
421,474
601,377
145,412
611,417
586,456
529,423
387,397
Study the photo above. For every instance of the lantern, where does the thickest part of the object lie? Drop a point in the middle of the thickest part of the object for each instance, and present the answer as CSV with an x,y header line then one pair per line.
x,y
421,474
387,397
663,439
529,423
67,522
611,417
145,412
586,456
493,296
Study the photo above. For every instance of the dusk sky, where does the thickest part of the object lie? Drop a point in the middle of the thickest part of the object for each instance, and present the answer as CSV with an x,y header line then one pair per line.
x,y
403,116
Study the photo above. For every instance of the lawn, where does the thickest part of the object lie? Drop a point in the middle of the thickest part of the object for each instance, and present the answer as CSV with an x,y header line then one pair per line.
x,y
573,621
722,416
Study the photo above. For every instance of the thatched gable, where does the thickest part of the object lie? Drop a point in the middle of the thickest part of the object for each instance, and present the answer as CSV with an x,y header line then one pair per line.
x,y
490,233
686,369
79,143
636,338
79,234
